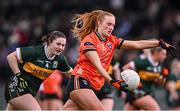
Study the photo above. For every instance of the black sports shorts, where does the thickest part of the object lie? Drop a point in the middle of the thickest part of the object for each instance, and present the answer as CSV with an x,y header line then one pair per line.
x,y
132,96
13,90
75,83
105,92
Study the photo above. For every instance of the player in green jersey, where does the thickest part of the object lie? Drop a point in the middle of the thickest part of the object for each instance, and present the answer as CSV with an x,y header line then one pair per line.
x,y
149,69
31,65
173,86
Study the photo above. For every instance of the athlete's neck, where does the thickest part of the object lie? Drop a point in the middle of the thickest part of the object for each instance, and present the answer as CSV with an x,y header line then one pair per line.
x,y
101,37
48,52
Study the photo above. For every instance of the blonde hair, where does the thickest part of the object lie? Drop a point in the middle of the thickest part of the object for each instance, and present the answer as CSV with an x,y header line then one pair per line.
x,y
86,23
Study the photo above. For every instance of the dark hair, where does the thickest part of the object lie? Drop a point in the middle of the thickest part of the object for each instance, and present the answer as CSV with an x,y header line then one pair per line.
x,y
52,36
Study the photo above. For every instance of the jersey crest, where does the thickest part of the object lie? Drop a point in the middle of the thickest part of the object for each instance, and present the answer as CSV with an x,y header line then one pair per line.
x,y
109,45
55,64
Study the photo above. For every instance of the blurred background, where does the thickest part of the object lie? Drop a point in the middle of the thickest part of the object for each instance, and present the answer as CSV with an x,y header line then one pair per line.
x,y
24,22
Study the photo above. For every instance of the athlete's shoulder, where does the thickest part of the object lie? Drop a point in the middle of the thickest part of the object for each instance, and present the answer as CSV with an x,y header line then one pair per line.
x,y
90,37
33,46
30,49
89,41
38,48
140,60
115,38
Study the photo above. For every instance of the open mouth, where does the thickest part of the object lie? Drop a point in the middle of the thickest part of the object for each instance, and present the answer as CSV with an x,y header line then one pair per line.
x,y
58,51
109,32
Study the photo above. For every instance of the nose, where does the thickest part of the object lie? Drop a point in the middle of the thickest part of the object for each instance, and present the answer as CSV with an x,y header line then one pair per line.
x,y
111,28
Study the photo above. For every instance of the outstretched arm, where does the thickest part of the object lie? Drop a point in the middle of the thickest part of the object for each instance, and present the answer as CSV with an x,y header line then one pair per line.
x,y
141,44
144,44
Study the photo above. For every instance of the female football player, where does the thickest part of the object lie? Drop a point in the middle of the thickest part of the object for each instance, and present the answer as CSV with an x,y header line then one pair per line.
x,y
97,47
150,70
31,65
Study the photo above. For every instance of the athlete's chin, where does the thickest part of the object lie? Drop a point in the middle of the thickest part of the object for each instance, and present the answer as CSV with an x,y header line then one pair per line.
x,y
107,34
57,53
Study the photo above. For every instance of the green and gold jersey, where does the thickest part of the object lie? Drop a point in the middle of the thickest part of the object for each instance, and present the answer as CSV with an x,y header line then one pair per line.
x,y
35,65
148,72
173,102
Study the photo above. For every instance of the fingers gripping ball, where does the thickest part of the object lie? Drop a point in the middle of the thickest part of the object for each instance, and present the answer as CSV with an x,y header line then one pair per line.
x,y
131,78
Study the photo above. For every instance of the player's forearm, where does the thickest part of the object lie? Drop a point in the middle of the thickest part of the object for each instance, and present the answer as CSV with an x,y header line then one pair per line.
x,y
13,63
144,44
103,73
141,44
116,71
94,59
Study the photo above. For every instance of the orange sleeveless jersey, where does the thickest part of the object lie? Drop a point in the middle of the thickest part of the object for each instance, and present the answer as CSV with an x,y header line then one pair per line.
x,y
52,83
105,50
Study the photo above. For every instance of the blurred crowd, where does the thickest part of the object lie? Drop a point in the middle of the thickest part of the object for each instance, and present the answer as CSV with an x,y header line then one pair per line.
x,y
24,22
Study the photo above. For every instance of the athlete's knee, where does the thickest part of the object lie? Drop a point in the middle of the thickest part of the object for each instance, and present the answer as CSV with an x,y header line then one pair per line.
x,y
10,107
93,107
99,108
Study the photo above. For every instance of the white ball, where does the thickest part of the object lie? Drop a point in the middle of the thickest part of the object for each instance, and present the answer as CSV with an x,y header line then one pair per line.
x,y
131,78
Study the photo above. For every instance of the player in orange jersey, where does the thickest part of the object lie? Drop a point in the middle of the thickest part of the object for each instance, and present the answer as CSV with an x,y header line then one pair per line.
x,y
97,47
51,92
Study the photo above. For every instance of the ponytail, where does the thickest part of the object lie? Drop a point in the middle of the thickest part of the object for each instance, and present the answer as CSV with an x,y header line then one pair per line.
x,y
86,23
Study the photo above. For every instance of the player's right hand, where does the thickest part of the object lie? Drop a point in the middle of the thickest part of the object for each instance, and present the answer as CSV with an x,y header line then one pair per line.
x,y
22,83
119,84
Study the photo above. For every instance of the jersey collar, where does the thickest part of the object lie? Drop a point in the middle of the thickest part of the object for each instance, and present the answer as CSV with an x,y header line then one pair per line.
x,y
100,37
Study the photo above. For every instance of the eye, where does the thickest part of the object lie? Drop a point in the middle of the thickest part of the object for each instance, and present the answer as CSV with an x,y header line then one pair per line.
x,y
110,24
60,44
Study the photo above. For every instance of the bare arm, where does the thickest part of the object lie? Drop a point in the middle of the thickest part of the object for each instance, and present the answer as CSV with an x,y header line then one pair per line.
x,y
94,59
13,62
141,44
116,71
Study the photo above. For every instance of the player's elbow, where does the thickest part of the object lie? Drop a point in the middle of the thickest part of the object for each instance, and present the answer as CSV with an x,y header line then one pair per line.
x,y
8,57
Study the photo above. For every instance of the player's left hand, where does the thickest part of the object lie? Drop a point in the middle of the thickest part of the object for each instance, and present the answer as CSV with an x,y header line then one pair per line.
x,y
119,84
21,81
169,48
